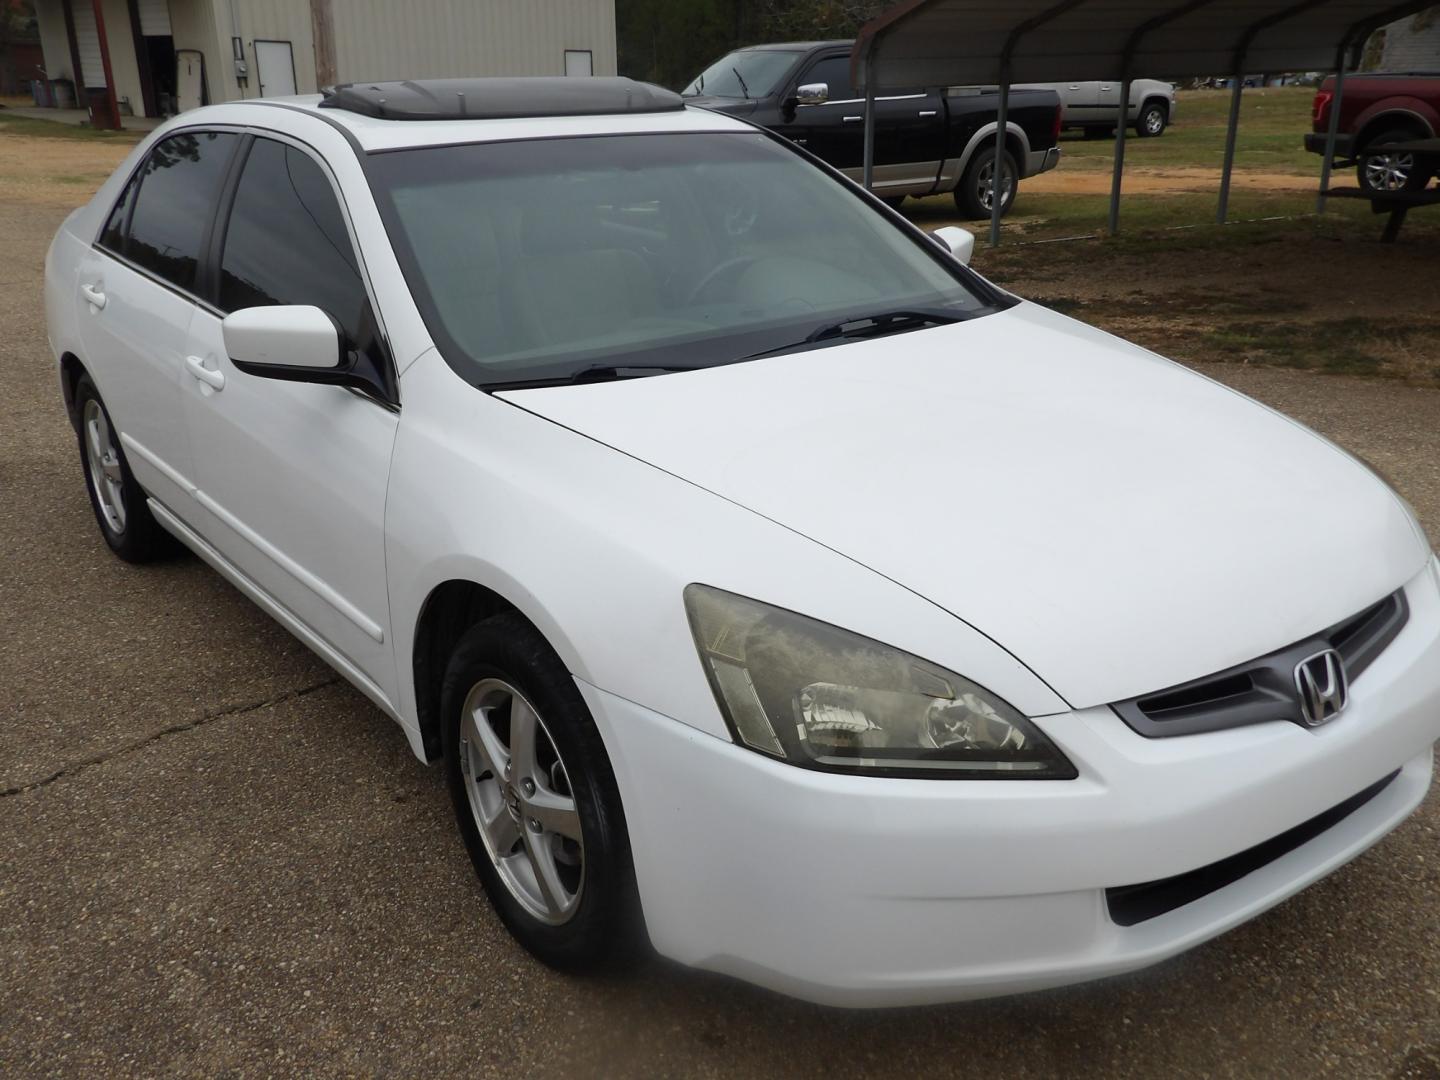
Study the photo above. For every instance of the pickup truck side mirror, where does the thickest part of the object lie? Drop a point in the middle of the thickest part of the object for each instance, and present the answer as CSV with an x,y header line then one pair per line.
x,y
957,242
812,94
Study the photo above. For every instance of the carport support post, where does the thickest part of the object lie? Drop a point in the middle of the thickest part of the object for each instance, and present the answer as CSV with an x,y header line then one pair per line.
x,y
997,179
1230,134
1122,118
869,122
1334,131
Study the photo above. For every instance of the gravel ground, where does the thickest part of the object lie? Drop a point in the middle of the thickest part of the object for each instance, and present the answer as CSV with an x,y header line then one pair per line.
x,y
219,859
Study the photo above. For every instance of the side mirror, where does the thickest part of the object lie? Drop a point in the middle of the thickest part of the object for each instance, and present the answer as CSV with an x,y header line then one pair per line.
x,y
813,94
958,242
286,341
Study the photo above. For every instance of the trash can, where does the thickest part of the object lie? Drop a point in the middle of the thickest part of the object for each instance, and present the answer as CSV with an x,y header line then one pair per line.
x,y
40,91
62,93
98,102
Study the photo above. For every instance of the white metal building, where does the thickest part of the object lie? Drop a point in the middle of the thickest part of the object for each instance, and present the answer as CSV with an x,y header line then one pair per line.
x,y
169,55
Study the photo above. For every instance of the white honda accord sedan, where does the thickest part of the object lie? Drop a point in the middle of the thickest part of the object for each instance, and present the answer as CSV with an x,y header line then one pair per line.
x,y
772,587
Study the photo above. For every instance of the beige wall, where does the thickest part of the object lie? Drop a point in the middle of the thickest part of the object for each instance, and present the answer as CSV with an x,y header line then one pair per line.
x,y
53,41
192,25
450,38
123,65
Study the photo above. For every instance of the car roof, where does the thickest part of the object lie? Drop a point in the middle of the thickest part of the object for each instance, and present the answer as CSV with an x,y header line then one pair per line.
x,y
377,134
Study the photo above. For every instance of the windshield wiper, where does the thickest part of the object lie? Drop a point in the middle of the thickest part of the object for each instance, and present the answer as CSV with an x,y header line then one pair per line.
x,y
860,327
745,90
611,372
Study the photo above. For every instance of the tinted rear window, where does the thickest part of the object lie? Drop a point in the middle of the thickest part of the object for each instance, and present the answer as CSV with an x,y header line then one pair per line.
x,y
179,183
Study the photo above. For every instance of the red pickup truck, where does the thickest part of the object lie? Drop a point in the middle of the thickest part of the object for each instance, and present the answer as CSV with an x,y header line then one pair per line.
x,y
1380,109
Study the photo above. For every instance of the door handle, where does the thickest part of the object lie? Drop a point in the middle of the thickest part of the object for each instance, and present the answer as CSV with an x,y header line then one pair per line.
x,y
927,113
93,294
206,375
851,119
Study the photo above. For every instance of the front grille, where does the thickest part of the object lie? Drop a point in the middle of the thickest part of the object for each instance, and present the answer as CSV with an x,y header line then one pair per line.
x,y
1264,689
1131,904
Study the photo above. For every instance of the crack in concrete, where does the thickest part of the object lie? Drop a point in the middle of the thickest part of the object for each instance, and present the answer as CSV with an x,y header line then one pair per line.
x,y
155,736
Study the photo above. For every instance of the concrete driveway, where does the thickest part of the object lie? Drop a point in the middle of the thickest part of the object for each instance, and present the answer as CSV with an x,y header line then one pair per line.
x,y
219,859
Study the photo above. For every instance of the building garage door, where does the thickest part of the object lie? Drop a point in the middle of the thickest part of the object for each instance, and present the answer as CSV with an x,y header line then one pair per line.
x,y
87,42
154,17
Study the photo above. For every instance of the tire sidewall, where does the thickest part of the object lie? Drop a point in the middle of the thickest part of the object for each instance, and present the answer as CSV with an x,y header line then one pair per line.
x,y
1418,179
135,542
605,921
1141,127
968,202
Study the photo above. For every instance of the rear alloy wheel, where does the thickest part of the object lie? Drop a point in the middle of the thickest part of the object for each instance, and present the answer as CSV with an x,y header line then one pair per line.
x,y
121,506
975,196
1388,172
1151,121
536,800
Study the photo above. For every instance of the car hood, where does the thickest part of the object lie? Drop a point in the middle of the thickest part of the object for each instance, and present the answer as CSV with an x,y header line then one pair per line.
x,y
1119,523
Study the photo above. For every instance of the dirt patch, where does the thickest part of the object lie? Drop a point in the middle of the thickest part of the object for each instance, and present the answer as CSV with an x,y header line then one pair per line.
x,y
1326,296
55,172
1077,179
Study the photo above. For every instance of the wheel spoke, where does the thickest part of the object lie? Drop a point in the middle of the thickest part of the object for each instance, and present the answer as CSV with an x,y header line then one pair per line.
x,y
92,434
523,725
542,860
111,467
556,813
486,744
502,830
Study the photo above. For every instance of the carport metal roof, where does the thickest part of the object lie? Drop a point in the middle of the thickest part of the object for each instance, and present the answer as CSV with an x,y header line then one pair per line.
x,y
969,42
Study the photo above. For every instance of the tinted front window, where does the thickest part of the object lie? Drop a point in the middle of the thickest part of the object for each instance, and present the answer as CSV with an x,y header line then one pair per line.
x,y
286,242
835,71
178,187
534,259
749,73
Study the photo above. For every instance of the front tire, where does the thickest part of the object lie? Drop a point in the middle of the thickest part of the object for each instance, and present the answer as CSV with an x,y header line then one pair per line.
x,y
536,800
1390,172
973,198
121,507
1152,120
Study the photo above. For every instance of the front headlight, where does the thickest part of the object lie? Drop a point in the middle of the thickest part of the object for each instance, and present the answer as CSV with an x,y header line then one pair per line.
x,y
824,698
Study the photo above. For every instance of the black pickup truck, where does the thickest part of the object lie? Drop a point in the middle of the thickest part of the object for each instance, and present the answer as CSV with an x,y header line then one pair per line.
x,y
927,142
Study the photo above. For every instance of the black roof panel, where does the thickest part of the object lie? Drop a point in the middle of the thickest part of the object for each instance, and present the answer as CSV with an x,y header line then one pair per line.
x,y
500,98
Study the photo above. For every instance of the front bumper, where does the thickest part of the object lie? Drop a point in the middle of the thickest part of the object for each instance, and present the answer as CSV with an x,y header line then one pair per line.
x,y
860,891
1038,161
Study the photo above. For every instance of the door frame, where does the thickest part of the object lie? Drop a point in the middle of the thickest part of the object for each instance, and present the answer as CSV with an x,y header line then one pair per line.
x,y
255,43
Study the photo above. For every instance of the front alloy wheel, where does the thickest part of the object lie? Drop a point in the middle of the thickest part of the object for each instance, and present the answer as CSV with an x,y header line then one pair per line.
x,y
519,794
536,800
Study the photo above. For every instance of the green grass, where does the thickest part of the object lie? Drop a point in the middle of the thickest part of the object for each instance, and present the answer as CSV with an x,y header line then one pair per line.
x,y
1270,138
1352,346
53,129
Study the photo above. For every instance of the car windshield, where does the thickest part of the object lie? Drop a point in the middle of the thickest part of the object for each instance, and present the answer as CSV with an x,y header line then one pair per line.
x,y
534,260
748,73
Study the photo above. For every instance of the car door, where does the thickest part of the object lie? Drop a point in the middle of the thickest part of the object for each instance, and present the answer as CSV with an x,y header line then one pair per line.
x,y
909,128
138,287
292,475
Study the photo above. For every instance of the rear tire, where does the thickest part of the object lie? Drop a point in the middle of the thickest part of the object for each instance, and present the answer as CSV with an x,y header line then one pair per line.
x,y
1388,173
564,886
893,201
972,197
121,507
1152,120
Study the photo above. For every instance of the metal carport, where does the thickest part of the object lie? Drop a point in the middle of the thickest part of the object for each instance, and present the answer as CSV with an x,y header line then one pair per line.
x,y
989,42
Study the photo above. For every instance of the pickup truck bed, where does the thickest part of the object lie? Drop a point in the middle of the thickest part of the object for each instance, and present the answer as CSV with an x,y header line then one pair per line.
x,y
1376,110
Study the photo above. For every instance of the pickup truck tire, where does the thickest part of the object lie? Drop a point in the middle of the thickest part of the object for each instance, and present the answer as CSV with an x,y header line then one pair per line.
x,y
1387,173
972,197
1152,120
893,201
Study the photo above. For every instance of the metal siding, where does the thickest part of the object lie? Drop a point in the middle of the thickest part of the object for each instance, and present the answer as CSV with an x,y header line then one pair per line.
x,y
87,43
378,40
154,17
